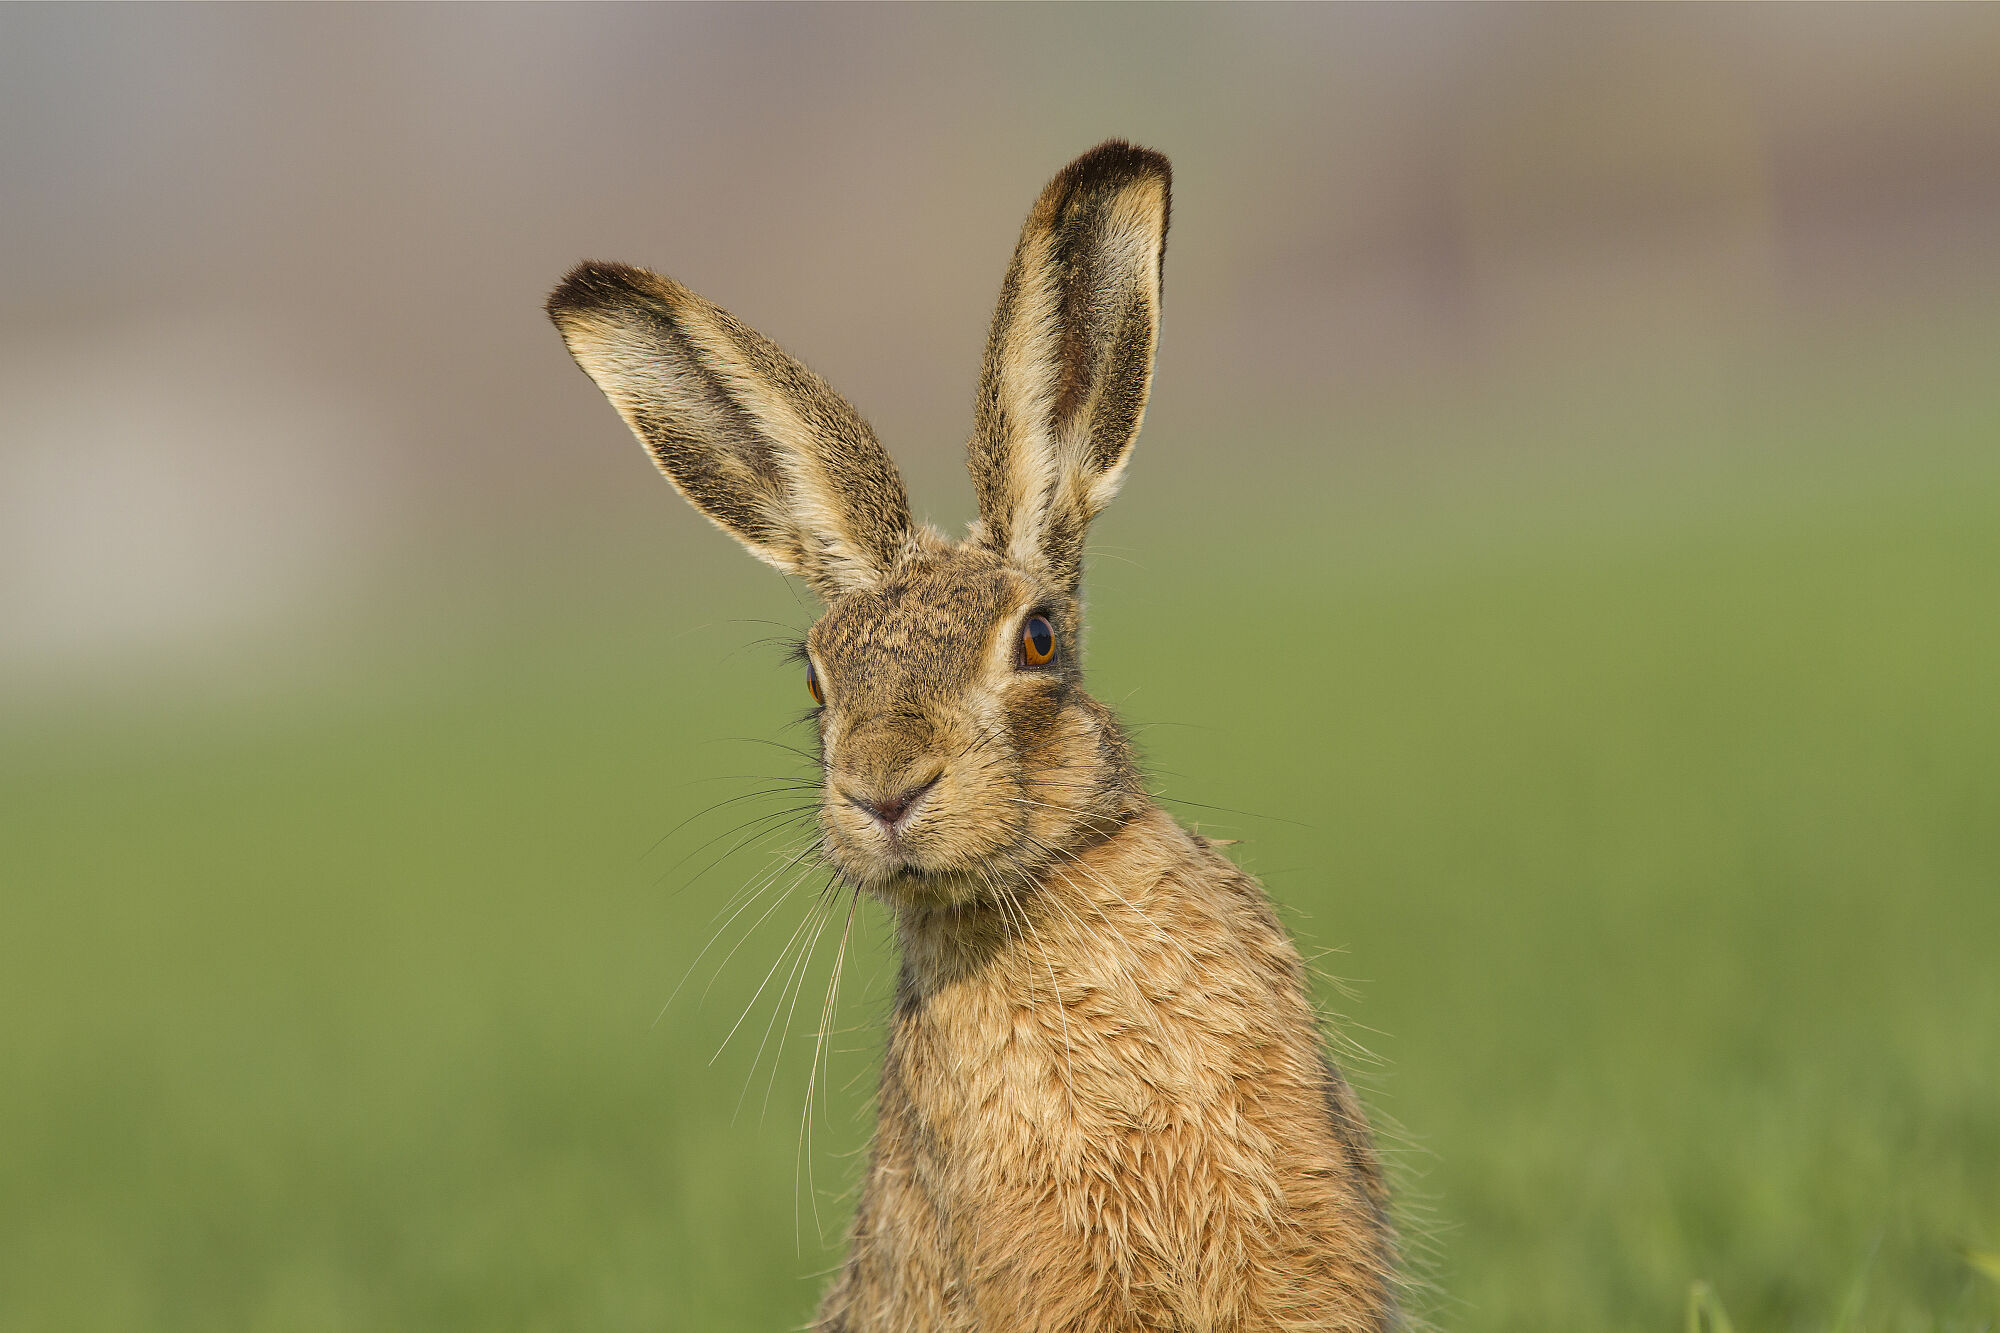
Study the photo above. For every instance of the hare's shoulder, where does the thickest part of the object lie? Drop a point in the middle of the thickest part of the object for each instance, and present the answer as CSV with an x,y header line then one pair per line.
x,y
1196,891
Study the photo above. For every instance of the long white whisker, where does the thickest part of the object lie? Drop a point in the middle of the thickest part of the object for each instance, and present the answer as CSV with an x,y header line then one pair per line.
x,y
811,867
796,932
795,982
722,929
826,1015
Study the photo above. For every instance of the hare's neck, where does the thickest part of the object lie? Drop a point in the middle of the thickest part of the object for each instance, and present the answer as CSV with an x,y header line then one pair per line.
x,y
1119,912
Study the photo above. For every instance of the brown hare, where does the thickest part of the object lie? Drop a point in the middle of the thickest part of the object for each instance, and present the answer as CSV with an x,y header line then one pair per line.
x,y
1105,1102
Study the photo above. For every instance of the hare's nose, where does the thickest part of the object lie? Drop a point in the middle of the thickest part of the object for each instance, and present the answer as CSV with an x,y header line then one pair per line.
x,y
890,810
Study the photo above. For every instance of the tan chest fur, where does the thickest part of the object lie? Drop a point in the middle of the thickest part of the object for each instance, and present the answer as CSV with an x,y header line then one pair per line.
x,y
1105,1107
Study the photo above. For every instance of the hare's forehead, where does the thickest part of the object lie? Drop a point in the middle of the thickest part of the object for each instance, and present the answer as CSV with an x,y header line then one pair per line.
x,y
936,618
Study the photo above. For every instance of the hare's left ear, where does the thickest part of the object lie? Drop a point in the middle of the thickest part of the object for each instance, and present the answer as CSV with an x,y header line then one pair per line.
x,y
1070,358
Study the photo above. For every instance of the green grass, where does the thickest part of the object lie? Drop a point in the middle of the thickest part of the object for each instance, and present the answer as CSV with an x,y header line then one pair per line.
x,y
1657,828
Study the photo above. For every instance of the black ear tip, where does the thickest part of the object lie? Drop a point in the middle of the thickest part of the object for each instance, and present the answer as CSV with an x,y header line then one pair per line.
x,y
593,285
1114,163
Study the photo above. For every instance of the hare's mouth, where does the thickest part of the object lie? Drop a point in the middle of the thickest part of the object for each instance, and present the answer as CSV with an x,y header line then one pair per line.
x,y
953,889
896,875
901,868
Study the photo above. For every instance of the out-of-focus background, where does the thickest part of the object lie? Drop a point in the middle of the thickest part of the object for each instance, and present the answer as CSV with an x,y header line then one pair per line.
x,y
1564,548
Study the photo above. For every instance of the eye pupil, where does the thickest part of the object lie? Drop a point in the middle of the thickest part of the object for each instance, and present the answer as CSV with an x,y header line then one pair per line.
x,y
1038,641
812,683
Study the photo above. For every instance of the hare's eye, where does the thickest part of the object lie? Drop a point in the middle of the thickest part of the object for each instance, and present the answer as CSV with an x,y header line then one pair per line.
x,y
812,683
1038,641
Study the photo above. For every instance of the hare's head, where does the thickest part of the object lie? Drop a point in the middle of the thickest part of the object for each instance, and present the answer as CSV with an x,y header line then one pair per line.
x,y
960,753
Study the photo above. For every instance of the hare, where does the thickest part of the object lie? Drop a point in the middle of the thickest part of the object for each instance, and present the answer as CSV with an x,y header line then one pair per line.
x,y
1105,1103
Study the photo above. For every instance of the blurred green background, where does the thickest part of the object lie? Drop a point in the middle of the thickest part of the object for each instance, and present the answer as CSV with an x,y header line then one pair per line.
x,y
1564,549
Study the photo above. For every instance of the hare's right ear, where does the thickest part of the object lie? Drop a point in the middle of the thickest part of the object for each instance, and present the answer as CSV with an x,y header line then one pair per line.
x,y
753,439
1070,359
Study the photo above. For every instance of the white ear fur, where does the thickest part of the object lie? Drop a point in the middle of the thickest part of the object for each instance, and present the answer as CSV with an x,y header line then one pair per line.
x,y
1070,358
754,440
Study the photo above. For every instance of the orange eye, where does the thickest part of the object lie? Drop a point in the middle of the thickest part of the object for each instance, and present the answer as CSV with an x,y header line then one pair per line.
x,y
812,683
1038,641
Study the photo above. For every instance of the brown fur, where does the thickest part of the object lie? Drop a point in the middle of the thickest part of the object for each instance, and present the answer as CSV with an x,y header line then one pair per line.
x,y
1105,1101
752,438
1069,361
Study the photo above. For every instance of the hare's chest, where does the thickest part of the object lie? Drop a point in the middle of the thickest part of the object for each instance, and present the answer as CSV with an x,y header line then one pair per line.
x,y
1088,1174
1017,1104
1048,1068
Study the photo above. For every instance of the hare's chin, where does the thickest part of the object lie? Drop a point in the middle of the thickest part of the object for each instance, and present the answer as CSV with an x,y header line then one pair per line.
x,y
912,884
903,881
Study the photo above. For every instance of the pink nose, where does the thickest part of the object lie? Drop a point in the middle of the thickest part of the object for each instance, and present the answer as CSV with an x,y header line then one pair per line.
x,y
889,810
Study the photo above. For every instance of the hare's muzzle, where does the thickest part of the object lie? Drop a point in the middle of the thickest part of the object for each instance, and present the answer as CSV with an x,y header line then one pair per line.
x,y
892,809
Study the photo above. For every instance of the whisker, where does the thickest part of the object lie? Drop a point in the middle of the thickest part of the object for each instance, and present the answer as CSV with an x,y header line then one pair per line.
x,y
806,755
797,880
719,931
795,984
731,800
826,1013
797,931
1165,799
790,812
